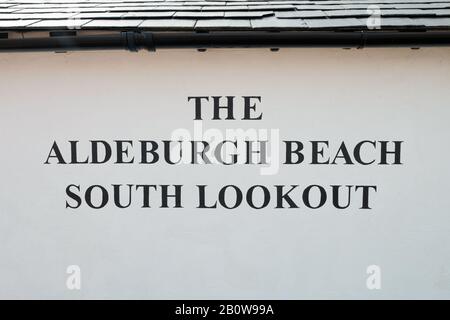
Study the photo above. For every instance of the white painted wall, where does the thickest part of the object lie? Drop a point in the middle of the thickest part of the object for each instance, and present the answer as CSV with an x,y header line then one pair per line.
x,y
308,94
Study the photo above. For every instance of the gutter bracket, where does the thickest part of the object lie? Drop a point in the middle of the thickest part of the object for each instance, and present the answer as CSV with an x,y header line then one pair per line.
x,y
128,38
147,41
363,40
134,41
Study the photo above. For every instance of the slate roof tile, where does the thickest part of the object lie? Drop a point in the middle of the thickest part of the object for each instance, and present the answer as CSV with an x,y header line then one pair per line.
x,y
199,14
275,23
248,14
148,14
15,23
168,24
335,23
113,23
99,15
443,12
301,14
223,24
69,23
347,13
401,22
440,22
34,16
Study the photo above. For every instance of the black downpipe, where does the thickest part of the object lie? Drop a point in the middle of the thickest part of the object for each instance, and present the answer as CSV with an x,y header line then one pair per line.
x,y
135,41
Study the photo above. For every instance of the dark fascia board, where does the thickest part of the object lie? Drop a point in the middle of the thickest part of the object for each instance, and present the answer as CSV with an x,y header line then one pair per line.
x,y
135,41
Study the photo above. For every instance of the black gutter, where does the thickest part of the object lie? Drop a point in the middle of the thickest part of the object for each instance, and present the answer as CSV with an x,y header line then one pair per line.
x,y
134,41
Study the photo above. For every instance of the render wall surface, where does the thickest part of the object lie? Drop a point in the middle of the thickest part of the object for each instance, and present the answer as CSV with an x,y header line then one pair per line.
x,y
329,95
